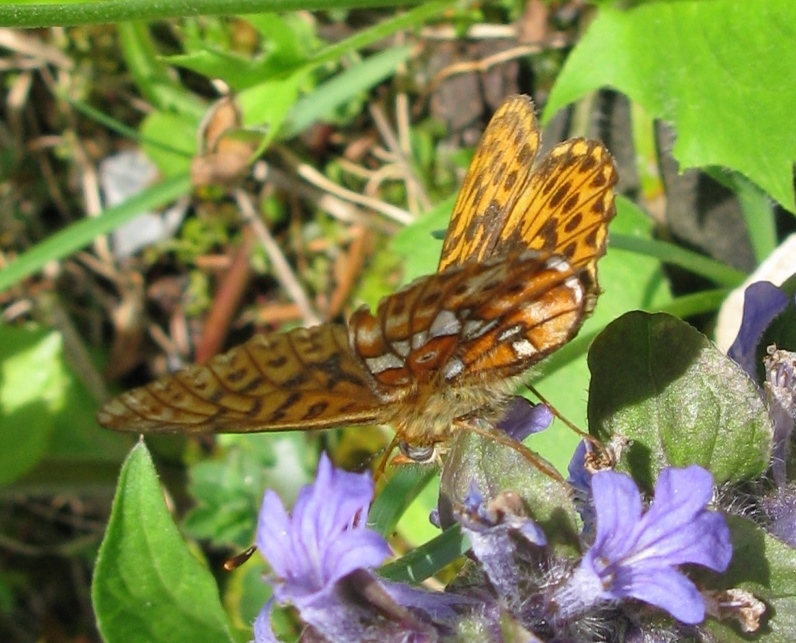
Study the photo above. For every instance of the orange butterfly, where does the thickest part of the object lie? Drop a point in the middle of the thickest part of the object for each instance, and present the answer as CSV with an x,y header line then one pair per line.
x,y
517,277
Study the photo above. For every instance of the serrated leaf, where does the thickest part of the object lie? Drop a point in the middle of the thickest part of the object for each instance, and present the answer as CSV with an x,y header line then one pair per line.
x,y
663,385
714,70
147,586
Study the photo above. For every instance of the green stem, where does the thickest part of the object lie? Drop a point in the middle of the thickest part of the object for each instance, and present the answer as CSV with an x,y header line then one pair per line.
x,y
67,14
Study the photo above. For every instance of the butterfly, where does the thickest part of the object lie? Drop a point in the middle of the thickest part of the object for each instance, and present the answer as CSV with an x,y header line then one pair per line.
x,y
516,279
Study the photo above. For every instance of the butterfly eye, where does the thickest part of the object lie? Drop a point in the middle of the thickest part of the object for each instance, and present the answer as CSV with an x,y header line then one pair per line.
x,y
419,454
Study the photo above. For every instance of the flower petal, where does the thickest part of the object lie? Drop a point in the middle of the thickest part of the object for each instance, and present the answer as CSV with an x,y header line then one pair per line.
x,y
522,418
263,633
617,504
273,534
763,301
668,589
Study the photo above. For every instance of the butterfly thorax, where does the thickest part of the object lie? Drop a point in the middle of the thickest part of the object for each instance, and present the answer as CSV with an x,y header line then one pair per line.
x,y
428,415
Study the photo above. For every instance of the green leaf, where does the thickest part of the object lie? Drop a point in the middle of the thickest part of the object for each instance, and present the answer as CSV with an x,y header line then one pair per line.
x,y
394,499
321,103
416,245
33,384
169,140
237,71
714,70
155,80
229,489
766,567
266,105
425,561
148,586
663,385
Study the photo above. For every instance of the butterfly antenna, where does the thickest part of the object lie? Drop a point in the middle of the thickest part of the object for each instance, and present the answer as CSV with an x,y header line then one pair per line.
x,y
499,436
583,434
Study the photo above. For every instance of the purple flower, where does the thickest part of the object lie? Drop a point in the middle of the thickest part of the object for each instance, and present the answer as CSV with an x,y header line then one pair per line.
x,y
580,480
635,553
320,556
504,541
780,396
522,418
763,302
496,529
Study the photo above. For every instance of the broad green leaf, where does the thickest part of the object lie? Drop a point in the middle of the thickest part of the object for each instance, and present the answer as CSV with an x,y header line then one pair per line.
x,y
416,245
229,489
267,104
660,383
716,70
170,142
148,586
33,384
766,567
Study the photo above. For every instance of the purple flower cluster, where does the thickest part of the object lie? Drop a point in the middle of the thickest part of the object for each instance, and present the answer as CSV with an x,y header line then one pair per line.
x,y
322,556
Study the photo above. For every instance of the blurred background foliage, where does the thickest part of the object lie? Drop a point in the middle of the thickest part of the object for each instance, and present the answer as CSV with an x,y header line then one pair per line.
x,y
172,184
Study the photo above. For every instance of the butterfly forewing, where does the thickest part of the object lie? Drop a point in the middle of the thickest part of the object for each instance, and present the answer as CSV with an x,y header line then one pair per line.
x,y
498,174
303,379
572,190
561,206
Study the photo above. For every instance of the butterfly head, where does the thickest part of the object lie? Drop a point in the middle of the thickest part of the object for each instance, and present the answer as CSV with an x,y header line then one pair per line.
x,y
417,453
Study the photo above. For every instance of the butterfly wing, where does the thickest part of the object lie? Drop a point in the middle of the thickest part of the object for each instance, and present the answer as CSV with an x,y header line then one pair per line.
x,y
561,206
498,174
307,378
477,323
